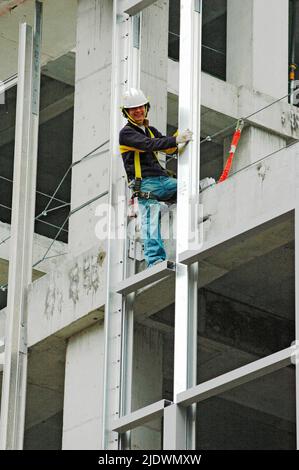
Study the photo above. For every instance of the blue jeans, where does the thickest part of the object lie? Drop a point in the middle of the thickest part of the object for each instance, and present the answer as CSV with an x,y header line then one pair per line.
x,y
164,188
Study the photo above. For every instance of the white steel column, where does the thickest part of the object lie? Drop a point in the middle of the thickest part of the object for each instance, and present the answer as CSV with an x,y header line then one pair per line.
x,y
116,234
297,298
133,60
187,207
22,228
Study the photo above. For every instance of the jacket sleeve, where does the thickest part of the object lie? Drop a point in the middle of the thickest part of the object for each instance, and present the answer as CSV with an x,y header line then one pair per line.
x,y
128,136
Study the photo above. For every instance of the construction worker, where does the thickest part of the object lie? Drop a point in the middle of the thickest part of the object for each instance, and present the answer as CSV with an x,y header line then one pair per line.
x,y
149,181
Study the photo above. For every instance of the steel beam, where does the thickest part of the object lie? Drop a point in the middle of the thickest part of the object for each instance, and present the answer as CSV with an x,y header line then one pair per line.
x,y
297,296
188,210
129,264
146,277
133,7
175,431
22,229
140,417
236,377
114,324
9,82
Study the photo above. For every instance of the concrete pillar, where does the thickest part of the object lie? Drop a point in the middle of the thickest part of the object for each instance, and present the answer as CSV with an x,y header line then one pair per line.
x,y
147,384
257,58
91,117
154,60
83,390
255,144
257,45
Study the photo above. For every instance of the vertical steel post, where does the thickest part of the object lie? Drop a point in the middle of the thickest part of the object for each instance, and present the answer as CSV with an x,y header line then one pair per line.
x,y
130,264
296,355
188,209
115,324
22,227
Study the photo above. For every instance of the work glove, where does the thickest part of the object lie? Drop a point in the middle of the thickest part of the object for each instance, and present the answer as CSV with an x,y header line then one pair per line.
x,y
184,137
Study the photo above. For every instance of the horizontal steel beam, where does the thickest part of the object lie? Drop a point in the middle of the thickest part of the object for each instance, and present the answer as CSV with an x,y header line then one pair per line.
x,y
236,377
10,82
140,417
132,7
146,277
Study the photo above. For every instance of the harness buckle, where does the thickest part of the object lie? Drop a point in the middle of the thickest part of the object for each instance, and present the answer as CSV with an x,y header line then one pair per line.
x,y
137,185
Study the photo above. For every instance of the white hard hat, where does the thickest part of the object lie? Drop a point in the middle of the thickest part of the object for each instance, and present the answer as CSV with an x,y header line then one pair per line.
x,y
134,98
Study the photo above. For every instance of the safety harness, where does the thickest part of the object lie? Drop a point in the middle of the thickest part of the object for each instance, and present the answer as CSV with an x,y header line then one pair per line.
x,y
137,168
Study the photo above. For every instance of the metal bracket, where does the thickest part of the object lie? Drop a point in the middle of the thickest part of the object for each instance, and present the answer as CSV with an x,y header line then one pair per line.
x,y
136,250
132,249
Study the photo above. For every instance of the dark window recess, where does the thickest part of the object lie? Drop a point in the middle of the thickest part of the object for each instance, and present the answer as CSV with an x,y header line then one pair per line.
x,y
213,35
174,30
54,157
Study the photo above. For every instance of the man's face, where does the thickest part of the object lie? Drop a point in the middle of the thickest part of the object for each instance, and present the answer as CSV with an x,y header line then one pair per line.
x,y
138,114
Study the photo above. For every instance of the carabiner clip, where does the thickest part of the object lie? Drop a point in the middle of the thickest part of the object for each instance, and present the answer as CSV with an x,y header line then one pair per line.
x,y
240,125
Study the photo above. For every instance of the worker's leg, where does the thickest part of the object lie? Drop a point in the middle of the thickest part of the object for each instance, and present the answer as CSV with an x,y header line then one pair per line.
x,y
151,231
163,187
169,187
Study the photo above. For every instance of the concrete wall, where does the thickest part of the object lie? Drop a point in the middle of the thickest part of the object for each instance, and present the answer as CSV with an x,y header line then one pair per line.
x,y
91,117
147,384
257,45
154,59
83,392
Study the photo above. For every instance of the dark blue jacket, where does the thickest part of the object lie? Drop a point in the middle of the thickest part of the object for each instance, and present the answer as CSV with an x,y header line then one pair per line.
x,y
133,136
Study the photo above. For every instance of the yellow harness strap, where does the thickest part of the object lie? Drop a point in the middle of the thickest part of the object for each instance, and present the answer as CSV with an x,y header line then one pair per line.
x,y
126,148
137,164
168,151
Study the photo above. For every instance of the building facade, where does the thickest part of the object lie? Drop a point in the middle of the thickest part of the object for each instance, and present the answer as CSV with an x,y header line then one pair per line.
x,y
202,354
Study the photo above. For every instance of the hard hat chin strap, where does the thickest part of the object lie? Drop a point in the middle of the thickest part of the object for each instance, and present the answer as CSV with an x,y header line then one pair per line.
x,y
130,119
